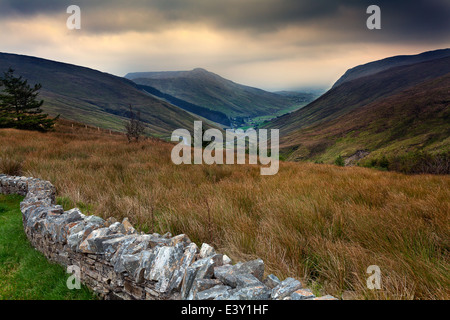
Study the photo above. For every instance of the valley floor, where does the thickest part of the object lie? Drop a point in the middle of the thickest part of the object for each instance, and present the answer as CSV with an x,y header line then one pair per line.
x,y
320,223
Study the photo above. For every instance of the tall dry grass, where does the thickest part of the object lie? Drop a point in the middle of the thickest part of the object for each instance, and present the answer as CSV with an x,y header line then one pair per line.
x,y
323,224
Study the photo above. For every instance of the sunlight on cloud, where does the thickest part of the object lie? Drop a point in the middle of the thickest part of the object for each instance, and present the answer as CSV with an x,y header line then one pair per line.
x,y
284,59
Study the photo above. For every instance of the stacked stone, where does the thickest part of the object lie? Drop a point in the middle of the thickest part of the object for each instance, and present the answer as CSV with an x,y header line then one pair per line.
x,y
14,185
117,262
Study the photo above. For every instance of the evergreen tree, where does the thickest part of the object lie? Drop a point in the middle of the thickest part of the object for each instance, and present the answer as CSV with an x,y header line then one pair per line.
x,y
19,107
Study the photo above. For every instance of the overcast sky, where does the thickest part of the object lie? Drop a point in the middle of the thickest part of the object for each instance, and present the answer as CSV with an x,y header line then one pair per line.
x,y
271,44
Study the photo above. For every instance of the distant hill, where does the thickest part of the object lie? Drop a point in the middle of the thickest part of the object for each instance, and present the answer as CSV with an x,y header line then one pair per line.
x,y
215,116
398,110
93,97
210,91
298,97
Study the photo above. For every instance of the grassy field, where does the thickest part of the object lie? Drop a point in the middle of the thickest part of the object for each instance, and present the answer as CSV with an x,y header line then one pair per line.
x,y
321,223
25,274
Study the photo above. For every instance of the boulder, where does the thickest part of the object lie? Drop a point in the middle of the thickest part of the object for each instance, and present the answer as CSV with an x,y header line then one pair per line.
x,y
129,229
117,227
184,263
206,251
95,220
302,294
226,259
94,242
256,292
131,264
272,281
227,274
182,238
111,246
200,285
161,268
200,269
247,280
215,293
285,289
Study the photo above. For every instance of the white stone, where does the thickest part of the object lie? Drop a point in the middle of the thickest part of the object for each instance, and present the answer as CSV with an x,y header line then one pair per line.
x,y
206,251
226,260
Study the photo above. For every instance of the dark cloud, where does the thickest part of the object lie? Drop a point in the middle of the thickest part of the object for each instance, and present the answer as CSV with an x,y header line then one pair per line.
x,y
402,20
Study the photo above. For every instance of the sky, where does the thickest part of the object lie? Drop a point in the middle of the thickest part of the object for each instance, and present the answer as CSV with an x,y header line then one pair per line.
x,y
269,44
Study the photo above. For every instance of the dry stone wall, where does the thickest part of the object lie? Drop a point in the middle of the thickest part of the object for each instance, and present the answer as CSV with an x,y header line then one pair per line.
x,y
117,262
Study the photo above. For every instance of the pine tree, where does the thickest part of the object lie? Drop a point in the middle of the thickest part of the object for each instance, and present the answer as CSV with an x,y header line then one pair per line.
x,y
19,107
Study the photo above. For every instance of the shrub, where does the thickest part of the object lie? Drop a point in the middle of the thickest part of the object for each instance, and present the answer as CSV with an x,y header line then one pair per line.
x,y
383,163
418,162
421,162
10,166
339,161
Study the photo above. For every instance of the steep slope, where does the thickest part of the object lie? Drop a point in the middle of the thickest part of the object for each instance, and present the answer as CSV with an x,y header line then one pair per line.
x,y
384,64
93,97
399,111
210,91
215,116
360,92
416,119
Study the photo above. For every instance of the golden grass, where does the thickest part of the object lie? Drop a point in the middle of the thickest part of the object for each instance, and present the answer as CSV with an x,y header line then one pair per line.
x,y
320,223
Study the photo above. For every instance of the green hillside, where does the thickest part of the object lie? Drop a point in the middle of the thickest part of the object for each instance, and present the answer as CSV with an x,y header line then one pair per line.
x,y
93,97
240,103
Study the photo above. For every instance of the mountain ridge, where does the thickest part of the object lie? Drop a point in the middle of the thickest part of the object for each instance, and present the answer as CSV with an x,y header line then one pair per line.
x,y
93,97
211,91
387,63
358,92
375,115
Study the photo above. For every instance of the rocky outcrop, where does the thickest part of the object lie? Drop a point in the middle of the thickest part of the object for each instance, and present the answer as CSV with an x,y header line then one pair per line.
x,y
117,262
353,159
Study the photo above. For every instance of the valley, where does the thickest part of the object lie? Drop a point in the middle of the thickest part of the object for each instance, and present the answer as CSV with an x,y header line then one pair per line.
x,y
218,99
316,219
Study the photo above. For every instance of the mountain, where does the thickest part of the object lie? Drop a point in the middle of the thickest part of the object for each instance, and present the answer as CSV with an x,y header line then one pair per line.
x,y
93,97
384,64
399,110
210,91
215,116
